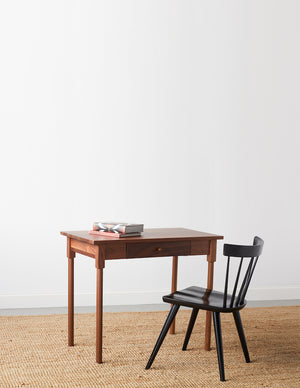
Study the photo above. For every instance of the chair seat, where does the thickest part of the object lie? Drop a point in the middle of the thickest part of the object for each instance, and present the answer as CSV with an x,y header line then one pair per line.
x,y
203,299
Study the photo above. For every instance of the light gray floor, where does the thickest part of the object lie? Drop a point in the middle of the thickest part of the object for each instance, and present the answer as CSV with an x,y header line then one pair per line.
x,y
140,307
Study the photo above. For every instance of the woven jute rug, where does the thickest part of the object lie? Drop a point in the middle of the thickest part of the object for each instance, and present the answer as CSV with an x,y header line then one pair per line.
x,y
34,351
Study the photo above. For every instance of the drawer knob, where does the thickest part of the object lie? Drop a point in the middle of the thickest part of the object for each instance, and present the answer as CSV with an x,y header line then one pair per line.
x,y
159,249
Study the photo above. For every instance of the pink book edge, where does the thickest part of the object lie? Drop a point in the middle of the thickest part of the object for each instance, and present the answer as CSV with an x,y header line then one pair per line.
x,y
112,235
105,234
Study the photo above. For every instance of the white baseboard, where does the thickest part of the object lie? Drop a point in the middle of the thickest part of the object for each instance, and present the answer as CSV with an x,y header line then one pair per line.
x,y
83,299
284,293
129,298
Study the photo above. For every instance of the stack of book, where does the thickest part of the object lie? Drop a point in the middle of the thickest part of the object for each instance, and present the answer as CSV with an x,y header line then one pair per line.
x,y
116,229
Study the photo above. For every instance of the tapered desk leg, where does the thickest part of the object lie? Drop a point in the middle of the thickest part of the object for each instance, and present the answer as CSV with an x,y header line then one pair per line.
x,y
208,313
99,315
211,258
71,301
174,286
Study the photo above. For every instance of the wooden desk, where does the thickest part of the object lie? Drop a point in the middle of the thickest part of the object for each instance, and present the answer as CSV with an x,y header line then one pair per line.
x,y
153,243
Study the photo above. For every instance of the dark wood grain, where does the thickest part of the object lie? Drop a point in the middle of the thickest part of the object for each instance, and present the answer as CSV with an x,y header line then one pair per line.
x,y
158,249
211,258
155,234
174,286
71,301
99,315
200,246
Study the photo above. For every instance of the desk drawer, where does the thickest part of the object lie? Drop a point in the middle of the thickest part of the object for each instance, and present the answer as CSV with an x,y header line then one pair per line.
x,y
175,248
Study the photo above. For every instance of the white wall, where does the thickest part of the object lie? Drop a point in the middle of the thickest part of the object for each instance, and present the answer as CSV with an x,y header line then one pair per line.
x,y
170,113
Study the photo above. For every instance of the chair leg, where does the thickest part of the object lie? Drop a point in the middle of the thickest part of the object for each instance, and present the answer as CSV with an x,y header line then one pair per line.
x,y
239,326
218,335
163,333
190,328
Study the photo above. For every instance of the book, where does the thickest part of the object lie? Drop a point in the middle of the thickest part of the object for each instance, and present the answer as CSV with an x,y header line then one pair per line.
x,y
118,227
113,234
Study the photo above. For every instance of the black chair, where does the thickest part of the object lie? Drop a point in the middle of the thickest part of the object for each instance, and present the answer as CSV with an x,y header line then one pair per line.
x,y
218,302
